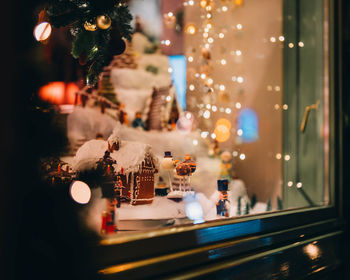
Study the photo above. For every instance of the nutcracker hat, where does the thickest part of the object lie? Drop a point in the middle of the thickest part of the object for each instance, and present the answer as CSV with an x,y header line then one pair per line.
x,y
223,185
167,154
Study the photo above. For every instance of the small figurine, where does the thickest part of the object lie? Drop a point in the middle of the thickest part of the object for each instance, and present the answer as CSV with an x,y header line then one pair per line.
x,y
123,117
108,217
226,166
99,136
138,122
168,164
186,169
221,208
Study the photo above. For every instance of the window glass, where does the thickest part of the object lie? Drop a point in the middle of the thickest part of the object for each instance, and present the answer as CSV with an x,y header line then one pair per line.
x,y
215,110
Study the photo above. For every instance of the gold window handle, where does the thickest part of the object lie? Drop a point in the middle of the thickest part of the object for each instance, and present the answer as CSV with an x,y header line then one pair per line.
x,y
306,114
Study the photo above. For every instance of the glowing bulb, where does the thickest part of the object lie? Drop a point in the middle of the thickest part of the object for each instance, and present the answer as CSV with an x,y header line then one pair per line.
x,y
287,157
238,52
167,42
191,2
228,111
168,98
222,87
210,40
242,156
195,142
208,15
42,31
281,38
235,153
170,70
277,88
238,105
80,192
272,39
205,35
223,61
191,87
291,45
285,107
240,79
221,35
203,76
214,108
208,106
290,183
190,58
278,156
239,132
206,114
299,185
210,81
213,135
239,26
204,134
276,106
224,8
301,44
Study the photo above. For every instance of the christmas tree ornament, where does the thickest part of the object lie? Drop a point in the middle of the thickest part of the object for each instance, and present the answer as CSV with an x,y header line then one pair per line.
x,y
190,29
103,22
89,26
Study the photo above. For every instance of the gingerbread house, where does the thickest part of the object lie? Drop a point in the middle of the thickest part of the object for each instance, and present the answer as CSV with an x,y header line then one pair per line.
x,y
135,164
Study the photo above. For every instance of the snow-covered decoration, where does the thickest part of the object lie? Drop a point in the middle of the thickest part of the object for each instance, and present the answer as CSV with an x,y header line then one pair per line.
x,y
135,164
113,142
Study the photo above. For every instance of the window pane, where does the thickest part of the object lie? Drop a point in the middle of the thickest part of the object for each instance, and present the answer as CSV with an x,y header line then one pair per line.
x,y
215,110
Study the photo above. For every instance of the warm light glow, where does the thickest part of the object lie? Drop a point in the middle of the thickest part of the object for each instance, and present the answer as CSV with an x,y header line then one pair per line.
x,y
287,157
239,132
276,106
195,142
190,29
238,105
301,44
221,35
269,88
170,70
290,183
206,114
191,87
190,58
285,107
208,106
281,38
224,8
228,111
222,130
240,79
42,31
222,87
272,39
213,135
214,108
277,88
223,61
191,2
299,185
58,93
204,134
291,45
235,153
239,26
210,81
80,192
313,251
203,76
210,40
278,156
238,52
242,156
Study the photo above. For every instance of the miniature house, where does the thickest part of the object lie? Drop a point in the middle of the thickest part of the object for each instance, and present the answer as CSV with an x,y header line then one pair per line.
x,y
135,164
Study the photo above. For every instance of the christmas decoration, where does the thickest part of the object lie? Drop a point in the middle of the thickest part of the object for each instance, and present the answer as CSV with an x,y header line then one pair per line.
x,y
190,29
42,31
105,87
226,166
138,122
161,188
221,207
93,23
103,22
168,164
169,20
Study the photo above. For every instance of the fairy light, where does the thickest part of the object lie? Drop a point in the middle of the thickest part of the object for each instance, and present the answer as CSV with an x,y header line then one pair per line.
x,y
238,105
207,46
278,156
203,76
195,142
281,38
208,15
210,40
228,111
290,45
240,79
190,58
272,39
170,70
205,35
213,135
222,87
287,157
285,107
191,87
208,106
299,185
276,106
223,61
204,134
221,35
290,184
224,8
301,44
277,88
206,114
239,26
214,108
238,52
239,132
235,153
210,81
191,2
168,98
242,156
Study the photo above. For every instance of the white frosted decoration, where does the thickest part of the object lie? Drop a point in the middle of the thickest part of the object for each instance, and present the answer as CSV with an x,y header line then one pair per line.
x,y
84,123
167,163
135,100
237,189
138,79
88,154
158,60
80,192
140,42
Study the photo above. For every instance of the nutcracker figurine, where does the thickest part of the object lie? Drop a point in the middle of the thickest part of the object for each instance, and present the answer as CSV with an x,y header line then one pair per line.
x,y
221,208
108,217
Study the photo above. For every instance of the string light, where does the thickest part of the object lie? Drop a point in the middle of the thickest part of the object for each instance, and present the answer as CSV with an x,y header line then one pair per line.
x,y
238,105
239,26
299,185
240,79
281,38
277,88
191,87
224,8
221,35
228,111
239,132
291,45
214,108
210,81
301,44
191,2
223,61
222,87
285,107
204,134
290,183
235,153
195,142
276,106
208,106
287,157
272,39
190,58
242,156
238,52
170,70
278,156
210,40
213,135
206,114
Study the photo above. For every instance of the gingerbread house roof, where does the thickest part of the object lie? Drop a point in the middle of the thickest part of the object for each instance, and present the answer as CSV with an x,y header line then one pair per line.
x,y
130,156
